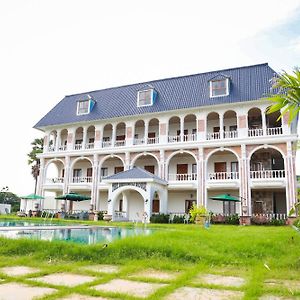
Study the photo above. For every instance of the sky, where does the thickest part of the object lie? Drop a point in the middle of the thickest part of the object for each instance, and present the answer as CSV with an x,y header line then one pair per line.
x,y
53,48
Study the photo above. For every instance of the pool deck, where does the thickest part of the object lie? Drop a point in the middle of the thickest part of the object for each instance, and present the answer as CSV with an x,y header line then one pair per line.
x,y
52,227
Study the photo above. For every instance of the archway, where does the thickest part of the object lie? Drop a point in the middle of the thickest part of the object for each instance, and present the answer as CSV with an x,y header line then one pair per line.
x,y
190,128
139,132
52,141
111,165
230,124
107,136
82,171
63,140
153,131
174,130
273,123
213,126
148,162
78,138
54,171
255,122
120,134
90,137
182,166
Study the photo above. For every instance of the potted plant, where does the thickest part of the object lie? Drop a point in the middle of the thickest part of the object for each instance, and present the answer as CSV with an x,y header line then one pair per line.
x,y
198,214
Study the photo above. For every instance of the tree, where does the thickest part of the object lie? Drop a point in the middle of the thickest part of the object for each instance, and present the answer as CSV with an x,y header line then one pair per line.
x,y
286,94
7,197
34,161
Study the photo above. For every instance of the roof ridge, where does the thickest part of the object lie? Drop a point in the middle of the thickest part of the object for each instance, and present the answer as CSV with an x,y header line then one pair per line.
x,y
168,78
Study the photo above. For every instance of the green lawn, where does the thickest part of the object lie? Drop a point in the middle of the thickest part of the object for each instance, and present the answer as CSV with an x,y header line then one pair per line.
x,y
255,253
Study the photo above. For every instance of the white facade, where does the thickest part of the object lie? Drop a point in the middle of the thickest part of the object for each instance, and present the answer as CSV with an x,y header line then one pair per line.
x,y
200,152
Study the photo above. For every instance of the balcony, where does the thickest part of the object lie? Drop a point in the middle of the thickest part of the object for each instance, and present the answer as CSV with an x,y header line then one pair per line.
x,y
89,146
267,174
174,138
87,179
213,136
183,177
54,180
223,176
223,180
120,143
274,131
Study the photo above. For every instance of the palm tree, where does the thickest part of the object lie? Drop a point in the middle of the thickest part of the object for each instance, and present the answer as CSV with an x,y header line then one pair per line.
x,y
34,161
286,94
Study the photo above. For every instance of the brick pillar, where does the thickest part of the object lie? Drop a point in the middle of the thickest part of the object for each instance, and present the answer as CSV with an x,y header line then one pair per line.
x,y
129,135
163,136
286,129
201,129
70,140
98,137
243,126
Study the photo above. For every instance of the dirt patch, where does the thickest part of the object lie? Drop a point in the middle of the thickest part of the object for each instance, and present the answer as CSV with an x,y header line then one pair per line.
x,y
65,279
102,268
156,274
18,270
133,288
189,293
16,291
231,281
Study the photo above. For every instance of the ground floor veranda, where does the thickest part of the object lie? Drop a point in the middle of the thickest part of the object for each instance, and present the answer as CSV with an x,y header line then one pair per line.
x,y
132,203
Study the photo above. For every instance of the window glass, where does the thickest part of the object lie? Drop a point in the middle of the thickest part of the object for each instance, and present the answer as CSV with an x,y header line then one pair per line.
x,y
219,88
145,98
104,172
83,107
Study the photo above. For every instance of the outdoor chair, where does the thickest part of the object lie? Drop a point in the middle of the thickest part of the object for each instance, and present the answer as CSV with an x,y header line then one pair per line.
x,y
171,218
186,219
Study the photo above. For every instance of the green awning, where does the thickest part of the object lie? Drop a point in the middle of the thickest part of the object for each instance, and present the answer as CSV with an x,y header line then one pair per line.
x,y
225,197
32,197
73,197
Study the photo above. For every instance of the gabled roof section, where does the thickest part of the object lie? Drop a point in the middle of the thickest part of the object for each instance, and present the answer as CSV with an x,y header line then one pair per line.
x,y
219,77
134,173
247,83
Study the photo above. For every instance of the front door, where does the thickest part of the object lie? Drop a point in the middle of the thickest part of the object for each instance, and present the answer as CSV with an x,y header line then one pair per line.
x,y
149,169
220,167
155,206
119,169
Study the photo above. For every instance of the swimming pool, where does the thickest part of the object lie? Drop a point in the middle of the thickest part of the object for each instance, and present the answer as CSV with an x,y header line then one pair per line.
x,y
20,223
89,236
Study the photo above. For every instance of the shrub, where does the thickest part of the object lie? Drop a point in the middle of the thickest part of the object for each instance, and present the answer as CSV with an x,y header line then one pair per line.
x,y
232,219
160,218
263,220
178,219
197,211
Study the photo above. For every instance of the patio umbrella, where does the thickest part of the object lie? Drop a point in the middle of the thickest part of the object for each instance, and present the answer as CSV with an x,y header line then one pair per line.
x,y
73,197
31,197
225,197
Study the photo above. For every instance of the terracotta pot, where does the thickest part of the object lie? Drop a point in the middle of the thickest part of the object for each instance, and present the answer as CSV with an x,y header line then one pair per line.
x,y
107,217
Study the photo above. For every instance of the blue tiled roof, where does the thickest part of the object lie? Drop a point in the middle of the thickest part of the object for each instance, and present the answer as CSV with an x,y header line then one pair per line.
x,y
134,173
246,83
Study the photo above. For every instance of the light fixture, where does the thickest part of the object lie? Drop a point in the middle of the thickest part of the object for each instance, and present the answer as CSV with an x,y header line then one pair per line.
x,y
191,195
146,201
109,200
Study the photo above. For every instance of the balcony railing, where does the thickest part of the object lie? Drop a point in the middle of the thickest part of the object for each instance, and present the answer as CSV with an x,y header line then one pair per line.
x,y
267,174
213,136
55,180
270,216
274,131
173,138
154,140
120,143
89,146
255,132
190,137
230,134
87,179
106,144
77,146
62,148
223,176
139,141
183,177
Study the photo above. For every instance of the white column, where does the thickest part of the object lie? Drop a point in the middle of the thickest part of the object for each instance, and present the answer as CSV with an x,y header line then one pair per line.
x,y
264,125
245,189
84,137
71,139
162,164
146,131
58,140
98,136
127,161
201,179
94,191
114,133
46,143
41,181
221,116
181,128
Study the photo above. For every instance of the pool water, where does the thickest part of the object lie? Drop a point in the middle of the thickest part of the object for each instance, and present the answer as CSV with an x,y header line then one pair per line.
x,y
19,223
89,236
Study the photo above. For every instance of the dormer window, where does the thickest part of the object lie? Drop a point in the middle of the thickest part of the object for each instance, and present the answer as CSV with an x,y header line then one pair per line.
x,y
145,98
219,88
84,107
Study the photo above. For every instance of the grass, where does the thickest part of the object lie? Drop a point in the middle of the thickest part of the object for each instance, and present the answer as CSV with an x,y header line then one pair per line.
x,y
256,253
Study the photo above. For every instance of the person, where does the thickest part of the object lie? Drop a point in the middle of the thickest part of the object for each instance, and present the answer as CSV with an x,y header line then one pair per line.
x,y
30,213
